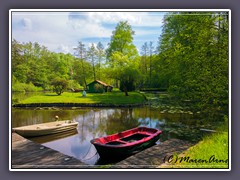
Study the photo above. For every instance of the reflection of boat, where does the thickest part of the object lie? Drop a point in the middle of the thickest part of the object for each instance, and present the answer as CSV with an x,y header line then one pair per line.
x,y
53,137
127,142
46,128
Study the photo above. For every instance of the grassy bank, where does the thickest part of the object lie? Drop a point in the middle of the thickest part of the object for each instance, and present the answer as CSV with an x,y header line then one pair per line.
x,y
115,97
211,152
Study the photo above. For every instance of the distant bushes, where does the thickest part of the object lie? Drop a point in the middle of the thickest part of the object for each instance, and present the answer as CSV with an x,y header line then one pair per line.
x,y
74,86
17,86
23,87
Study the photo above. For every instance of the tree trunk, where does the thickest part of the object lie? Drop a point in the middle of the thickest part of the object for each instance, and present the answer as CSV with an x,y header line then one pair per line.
x,y
94,73
84,78
125,91
116,83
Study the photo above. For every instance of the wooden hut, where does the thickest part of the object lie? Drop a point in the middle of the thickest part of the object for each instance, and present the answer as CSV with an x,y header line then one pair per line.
x,y
99,87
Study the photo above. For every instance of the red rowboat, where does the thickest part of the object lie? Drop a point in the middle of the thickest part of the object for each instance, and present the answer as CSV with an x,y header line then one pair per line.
x,y
127,142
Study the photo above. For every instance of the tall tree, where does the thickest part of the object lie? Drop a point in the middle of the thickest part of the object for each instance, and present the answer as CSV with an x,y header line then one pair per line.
x,y
101,56
145,51
125,70
151,51
92,53
122,40
81,52
19,67
121,49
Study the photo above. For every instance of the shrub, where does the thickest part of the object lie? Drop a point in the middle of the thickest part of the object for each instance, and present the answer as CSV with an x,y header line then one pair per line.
x,y
73,85
23,87
59,85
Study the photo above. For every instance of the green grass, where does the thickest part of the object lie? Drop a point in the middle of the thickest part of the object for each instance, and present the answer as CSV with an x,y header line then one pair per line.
x,y
211,152
115,97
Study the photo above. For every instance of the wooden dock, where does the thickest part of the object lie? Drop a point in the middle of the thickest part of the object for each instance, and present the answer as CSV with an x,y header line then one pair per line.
x,y
154,156
30,155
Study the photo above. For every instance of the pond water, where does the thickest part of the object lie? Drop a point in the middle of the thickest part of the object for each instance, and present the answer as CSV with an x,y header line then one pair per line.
x,y
96,122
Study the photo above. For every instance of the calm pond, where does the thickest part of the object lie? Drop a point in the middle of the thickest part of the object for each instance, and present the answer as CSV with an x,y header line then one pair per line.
x,y
96,122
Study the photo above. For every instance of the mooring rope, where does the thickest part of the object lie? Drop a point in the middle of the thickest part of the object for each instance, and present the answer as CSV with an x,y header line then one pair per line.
x,y
91,157
84,157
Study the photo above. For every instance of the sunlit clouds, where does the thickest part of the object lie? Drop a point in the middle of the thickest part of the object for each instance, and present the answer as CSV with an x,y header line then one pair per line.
x,y
61,31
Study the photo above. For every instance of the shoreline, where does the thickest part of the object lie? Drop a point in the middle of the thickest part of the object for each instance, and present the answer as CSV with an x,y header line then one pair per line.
x,y
75,105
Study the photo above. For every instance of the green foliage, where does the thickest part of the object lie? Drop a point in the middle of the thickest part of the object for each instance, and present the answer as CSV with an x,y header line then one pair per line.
x,y
101,58
154,89
123,57
125,70
122,40
92,56
23,87
81,65
59,85
146,66
32,63
193,59
74,85
82,72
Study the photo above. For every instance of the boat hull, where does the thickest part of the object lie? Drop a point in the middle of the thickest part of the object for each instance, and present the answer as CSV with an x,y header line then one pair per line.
x,y
126,143
45,128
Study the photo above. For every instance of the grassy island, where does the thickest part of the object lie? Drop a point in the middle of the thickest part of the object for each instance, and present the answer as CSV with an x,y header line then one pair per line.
x,y
68,98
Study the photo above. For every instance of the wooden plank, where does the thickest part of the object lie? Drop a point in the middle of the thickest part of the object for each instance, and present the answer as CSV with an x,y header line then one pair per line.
x,y
154,156
208,130
27,154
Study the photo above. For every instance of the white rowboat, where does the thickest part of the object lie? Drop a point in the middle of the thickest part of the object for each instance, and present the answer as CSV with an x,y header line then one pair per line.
x,y
45,128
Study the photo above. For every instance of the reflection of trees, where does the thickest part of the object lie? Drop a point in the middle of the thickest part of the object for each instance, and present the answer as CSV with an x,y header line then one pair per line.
x,y
99,122
81,131
92,124
120,120
22,117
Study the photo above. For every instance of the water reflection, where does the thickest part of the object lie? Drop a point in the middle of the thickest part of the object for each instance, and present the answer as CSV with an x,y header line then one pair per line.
x,y
53,137
97,122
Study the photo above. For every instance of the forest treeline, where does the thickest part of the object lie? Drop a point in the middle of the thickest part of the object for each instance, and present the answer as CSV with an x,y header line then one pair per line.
x,y
190,61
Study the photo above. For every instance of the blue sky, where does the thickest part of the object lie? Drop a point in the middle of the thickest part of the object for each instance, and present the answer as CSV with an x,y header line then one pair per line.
x,y
61,31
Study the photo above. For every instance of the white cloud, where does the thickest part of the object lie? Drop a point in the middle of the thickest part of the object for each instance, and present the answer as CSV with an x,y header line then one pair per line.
x,y
114,17
134,18
26,23
63,48
61,31
85,29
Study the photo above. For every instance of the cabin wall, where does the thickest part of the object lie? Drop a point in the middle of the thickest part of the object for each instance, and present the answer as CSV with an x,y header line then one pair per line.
x,y
92,89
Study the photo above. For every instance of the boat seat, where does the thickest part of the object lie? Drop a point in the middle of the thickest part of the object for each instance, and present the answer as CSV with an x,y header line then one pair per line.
x,y
124,142
144,133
